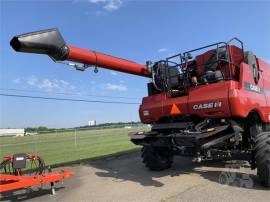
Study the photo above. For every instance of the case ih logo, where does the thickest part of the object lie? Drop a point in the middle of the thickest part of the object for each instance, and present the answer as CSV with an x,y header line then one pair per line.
x,y
209,105
253,88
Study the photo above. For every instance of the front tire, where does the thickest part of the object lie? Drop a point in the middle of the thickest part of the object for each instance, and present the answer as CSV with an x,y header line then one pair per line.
x,y
262,157
157,158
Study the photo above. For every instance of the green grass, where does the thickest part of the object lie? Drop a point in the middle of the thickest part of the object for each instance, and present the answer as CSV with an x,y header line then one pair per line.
x,y
62,148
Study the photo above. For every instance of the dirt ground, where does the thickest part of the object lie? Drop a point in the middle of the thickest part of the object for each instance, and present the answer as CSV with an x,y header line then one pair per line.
x,y
124,178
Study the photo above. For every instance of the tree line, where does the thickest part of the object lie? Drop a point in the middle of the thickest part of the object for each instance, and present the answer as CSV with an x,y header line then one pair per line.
x,y
102,125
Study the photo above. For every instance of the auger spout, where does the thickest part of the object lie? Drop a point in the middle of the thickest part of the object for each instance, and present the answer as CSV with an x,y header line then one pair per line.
x,y
50,42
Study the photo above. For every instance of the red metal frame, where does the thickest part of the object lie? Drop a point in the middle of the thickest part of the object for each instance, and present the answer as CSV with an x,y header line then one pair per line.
x,y
9,182
13,182
31,156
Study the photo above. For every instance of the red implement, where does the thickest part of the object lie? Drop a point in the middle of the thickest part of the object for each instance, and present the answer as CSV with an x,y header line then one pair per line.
x,y
13,182
13,179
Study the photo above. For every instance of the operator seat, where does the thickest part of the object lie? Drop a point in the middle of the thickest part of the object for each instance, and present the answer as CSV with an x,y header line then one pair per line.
x,y
215,71
212,76
208,69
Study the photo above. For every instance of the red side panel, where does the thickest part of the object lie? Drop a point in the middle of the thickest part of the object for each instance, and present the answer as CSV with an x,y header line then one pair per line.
x,y
249,96
205,101
210,100
157,106
265,75
173,105
151,109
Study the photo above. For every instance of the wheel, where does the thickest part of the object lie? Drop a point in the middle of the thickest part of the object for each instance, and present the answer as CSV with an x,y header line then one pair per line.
x,y
262,157
224,178
157,158
255,129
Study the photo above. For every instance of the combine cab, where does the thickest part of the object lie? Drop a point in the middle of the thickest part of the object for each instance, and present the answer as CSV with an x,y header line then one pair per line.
x,y
210,103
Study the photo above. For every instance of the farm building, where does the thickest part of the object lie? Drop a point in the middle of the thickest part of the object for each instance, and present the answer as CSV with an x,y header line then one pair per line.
x,y
11,132
92,123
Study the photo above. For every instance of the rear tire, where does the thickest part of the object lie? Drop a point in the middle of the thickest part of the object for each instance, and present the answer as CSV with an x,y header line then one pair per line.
x,y
157,158
262,157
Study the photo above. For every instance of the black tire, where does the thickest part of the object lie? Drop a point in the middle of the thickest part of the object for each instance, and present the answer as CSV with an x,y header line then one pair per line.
x,y
262,157
157,158
255,129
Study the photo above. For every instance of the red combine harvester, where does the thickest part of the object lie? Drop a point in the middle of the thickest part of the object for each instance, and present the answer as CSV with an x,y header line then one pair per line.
x,y
211,102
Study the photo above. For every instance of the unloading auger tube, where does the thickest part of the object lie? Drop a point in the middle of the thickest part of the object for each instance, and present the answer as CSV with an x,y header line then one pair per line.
x,y
50,42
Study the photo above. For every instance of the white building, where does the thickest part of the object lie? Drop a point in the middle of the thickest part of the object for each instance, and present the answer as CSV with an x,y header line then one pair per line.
x,y
30,133
92,123
11,132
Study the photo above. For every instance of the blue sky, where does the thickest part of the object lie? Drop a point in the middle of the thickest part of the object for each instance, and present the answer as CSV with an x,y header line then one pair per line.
x,y
135,30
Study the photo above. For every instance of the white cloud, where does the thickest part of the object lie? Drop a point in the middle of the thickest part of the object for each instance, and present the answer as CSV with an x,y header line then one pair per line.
x,y
163,50
32,80
64,82
108,5
48,85
55,85
112,5
115,87
114,73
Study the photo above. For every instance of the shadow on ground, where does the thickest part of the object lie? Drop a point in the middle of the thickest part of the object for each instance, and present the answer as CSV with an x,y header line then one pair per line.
x,y
26,194
129,167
